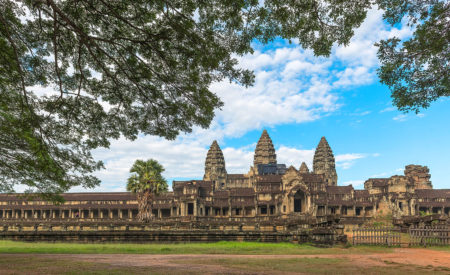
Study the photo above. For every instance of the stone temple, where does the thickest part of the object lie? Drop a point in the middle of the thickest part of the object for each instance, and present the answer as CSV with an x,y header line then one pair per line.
x,y
269,192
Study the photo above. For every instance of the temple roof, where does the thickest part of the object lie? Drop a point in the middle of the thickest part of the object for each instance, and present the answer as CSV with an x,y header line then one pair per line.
x,y
324,162
433,193
303,168
339,189
215,162
264,152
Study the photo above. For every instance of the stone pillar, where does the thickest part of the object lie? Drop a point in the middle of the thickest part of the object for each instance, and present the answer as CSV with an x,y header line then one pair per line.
x,y
182,206
309,204
195,208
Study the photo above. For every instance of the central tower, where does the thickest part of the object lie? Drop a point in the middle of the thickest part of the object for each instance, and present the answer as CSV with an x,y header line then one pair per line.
x,y
324,162
264,152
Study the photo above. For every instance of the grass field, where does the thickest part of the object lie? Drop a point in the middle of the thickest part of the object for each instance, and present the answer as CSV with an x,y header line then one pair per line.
x,y
247,248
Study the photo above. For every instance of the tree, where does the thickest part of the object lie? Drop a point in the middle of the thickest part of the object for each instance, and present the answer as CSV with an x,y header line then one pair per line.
x,y
127,67
417,72
120,68
146,182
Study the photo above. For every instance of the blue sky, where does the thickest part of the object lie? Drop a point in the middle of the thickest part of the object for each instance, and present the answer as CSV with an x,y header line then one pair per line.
x,y
299,98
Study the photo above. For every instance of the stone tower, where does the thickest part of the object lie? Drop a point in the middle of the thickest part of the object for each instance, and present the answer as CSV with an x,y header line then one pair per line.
x,y
264,152
324,162
215,166
420,175
304,168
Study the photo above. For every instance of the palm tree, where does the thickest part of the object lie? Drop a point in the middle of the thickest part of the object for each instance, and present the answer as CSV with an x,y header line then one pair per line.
x,y
146,181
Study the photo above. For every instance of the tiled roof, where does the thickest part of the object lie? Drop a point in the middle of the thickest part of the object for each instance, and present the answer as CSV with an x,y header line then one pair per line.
x,y
362,194
433,193
77,196
236,176
339,189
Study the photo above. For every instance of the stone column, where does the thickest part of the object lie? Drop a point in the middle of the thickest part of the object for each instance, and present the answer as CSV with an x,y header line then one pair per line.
x,y
182,207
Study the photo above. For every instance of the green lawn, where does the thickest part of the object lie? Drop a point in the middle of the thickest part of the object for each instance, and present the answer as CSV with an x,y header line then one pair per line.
x,y
181,248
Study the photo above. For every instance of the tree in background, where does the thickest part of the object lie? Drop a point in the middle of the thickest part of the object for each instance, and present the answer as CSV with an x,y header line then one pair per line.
x,y
120,68
146,182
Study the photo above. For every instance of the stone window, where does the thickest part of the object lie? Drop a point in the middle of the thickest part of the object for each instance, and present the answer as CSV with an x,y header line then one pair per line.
x,y
284,208
263,210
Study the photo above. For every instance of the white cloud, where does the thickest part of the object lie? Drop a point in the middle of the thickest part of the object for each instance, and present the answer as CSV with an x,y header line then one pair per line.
x,y
388,109
291,86
400,117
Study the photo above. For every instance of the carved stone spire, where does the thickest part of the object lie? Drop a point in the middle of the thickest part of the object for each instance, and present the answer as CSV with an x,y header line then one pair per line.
x,y
304,168
215,166
264,152
324,162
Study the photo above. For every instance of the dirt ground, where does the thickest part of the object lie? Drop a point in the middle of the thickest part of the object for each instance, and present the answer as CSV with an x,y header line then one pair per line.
x,y
207,264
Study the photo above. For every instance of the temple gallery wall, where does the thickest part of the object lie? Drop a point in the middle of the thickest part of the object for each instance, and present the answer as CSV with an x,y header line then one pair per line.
x,y
268,195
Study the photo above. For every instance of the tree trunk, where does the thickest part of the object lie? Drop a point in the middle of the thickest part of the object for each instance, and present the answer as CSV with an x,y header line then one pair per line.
x,y
144,206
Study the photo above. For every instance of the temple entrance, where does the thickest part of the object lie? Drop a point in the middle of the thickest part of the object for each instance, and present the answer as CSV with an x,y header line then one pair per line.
x,y
299,201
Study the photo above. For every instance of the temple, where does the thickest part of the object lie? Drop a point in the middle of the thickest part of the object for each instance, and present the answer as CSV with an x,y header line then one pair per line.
x,y
269,191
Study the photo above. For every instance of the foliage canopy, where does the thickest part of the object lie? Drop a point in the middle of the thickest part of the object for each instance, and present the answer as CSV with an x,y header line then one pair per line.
x,y
120,68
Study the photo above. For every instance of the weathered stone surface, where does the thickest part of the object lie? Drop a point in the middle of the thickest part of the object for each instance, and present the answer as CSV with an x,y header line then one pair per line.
x,y
225,203
264,152
304,168
420,175
215,166
324,162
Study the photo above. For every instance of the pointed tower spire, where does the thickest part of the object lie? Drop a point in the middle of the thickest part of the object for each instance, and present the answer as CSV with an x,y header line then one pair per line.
x,y
264,152
324,162
304,168
215,166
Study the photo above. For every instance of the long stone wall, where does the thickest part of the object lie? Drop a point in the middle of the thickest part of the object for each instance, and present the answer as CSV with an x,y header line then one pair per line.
x,y
170,232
